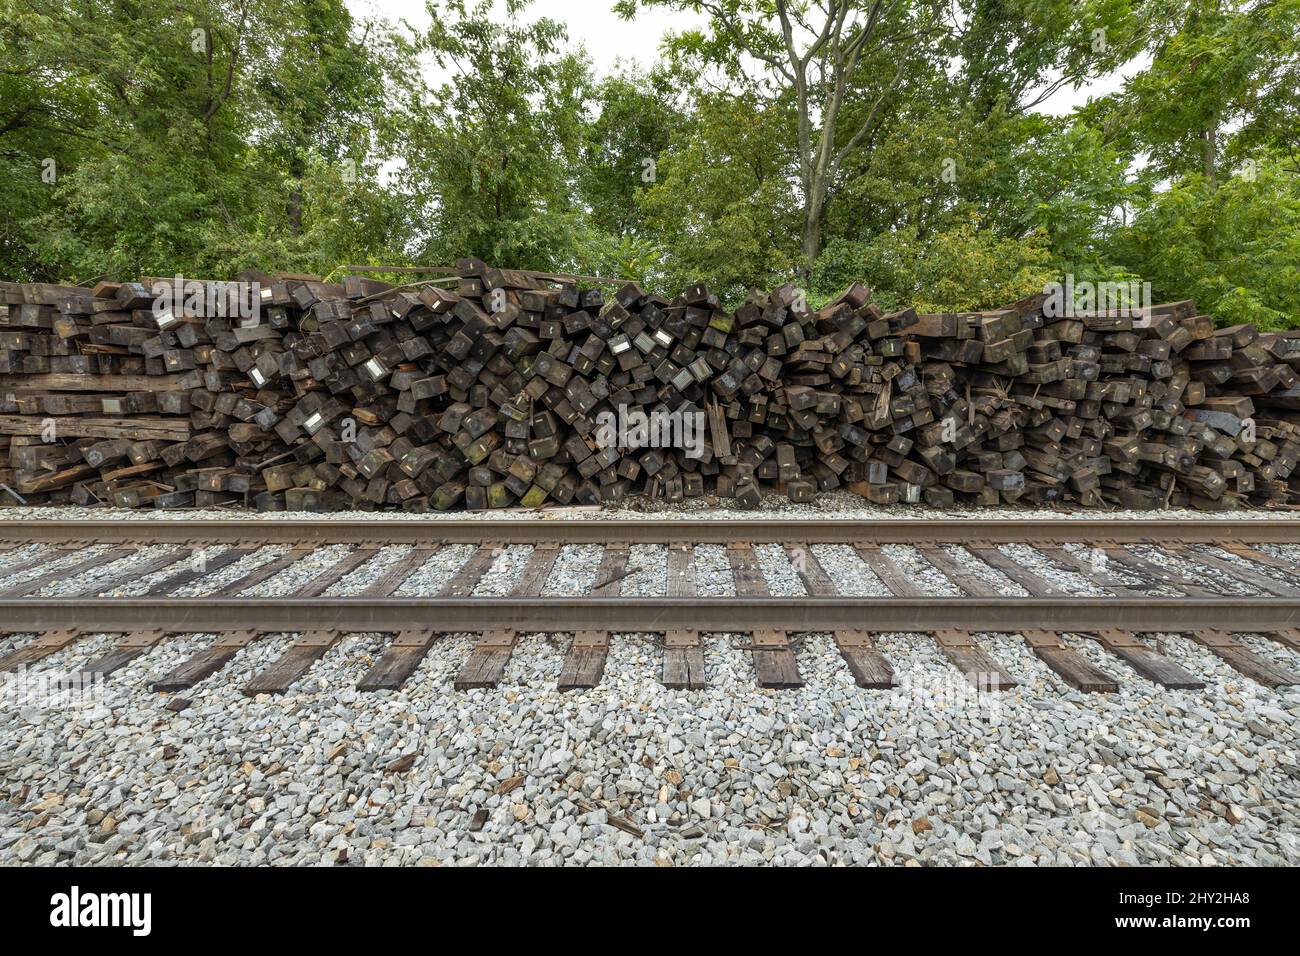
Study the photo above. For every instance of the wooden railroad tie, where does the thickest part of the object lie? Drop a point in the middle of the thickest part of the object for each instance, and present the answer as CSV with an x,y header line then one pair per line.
x,y
480,387
293,663
487,661
536,570
973,661
683,667
1069,664
465,580
205,662
1149,663
774,660
869,667
127,650
38,648
188,573
63,574
398,662
584,663
1243,575
1241,658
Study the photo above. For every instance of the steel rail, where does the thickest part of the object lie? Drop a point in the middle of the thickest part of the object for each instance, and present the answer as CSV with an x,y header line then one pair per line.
x,y
648,614
569,531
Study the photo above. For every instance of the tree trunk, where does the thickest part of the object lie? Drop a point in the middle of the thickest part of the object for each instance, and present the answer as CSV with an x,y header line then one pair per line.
x,y
293,208
813,212
1209,155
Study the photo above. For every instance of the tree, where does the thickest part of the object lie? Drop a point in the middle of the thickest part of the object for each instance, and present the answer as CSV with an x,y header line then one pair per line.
x,y
849,69
491,152
1224,78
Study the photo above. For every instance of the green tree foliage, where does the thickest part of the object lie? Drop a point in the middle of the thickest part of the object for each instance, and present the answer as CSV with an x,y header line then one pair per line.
x,y
181,135
723,208
899,142
1235,248
491,152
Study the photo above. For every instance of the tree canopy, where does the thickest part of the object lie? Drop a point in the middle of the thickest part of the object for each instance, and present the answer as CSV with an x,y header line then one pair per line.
x,y
899,142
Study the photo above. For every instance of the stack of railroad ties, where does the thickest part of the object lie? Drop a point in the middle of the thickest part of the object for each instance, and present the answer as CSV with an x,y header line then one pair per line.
x,y
487,392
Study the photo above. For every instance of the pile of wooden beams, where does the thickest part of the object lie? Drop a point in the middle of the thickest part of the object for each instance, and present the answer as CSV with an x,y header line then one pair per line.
x,y
485,390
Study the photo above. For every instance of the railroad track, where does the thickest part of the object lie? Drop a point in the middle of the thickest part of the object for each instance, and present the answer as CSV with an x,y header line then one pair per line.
x,y
1238,582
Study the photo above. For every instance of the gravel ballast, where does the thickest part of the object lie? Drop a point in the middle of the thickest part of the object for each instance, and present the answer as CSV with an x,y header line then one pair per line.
x,y
930,772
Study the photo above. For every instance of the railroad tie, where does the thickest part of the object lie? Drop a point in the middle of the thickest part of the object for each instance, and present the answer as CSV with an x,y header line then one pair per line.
x,y
537,569
1094,574
63,574
613,569
584,663
1229,569
1151,664
187,575
398,662
264,571
973,661
337,571
206,661
307,650
464,581
41,647
128,649
774,660
870,669
1255,556
683,667
1071,666
1144,568
886,570
991,555
134,572
745,570
971,584
1288,638
1241,658
815,579
42,559
392,579
681,570
487,662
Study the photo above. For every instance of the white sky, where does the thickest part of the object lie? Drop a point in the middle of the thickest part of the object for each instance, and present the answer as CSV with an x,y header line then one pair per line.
x,y
596,29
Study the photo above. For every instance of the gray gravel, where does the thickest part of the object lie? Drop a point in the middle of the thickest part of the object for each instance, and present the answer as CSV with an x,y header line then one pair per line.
x,y
432,576
648,564
67,561
929,773
838,504
713,576
851,575
782,578
575,570
921,572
